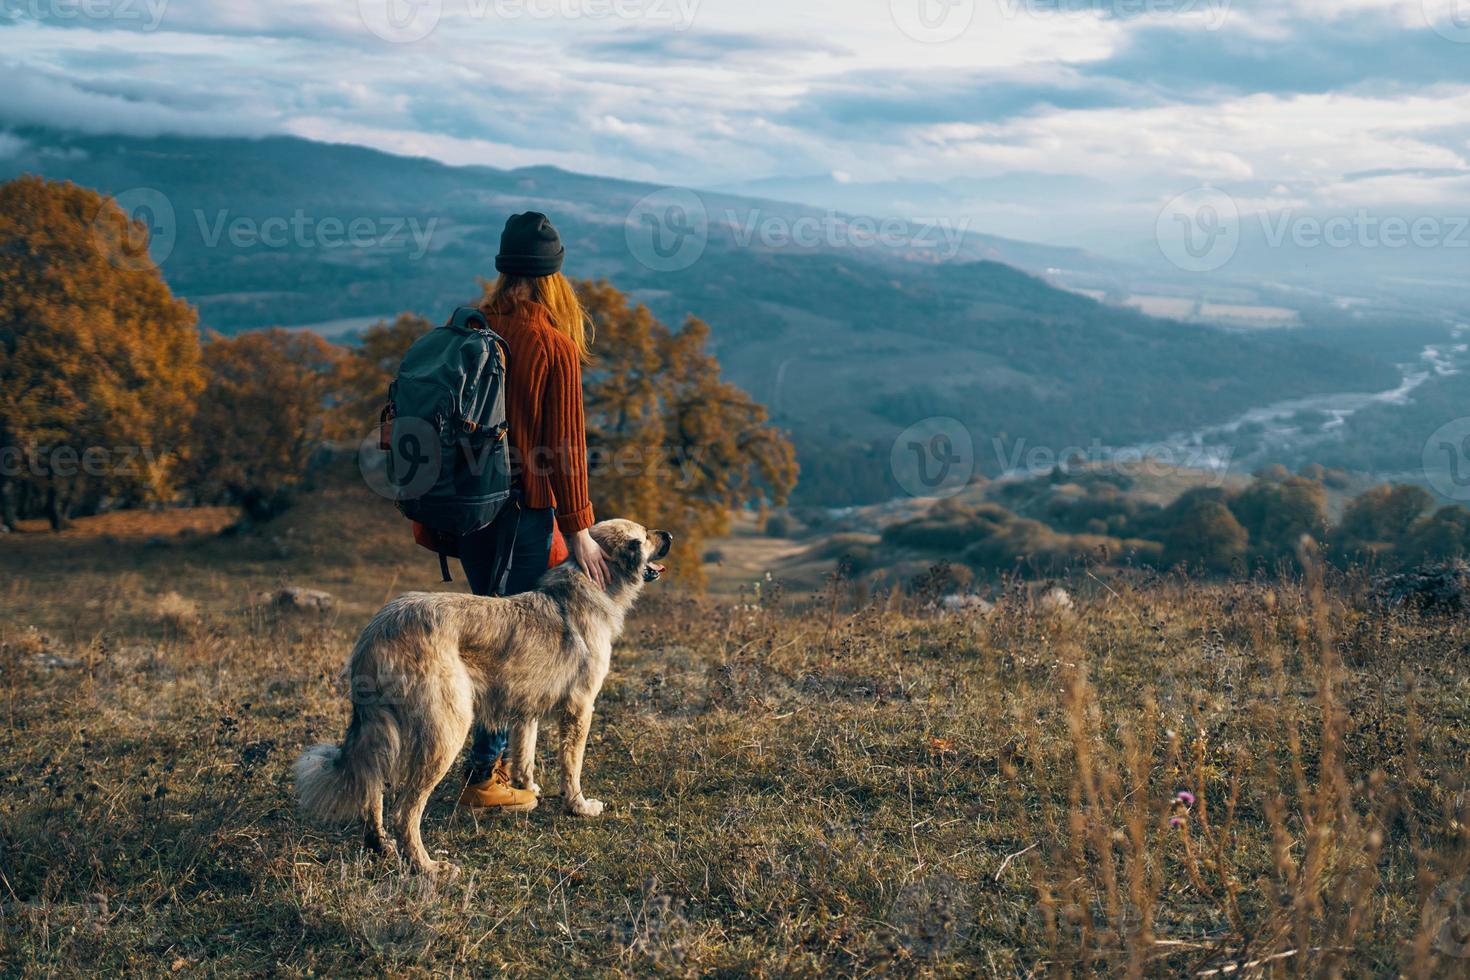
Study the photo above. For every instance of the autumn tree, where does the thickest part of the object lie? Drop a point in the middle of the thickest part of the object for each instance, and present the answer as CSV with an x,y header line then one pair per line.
x,y
1444,534
371,367
1278,512
625,423
267,408
1378,520
1202,531
671,443
99,363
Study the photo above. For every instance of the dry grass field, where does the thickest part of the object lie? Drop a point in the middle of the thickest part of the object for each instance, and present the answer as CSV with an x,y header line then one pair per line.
x,y
1169,779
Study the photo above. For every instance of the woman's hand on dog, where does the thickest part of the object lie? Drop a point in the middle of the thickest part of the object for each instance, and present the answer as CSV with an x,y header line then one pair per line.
x,y
590,557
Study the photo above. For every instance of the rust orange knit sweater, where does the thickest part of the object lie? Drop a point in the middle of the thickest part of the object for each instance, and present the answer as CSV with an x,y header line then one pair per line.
x,y
548,431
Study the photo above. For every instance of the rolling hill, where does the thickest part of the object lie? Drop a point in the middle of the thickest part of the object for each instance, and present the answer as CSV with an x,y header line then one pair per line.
x,y
850,332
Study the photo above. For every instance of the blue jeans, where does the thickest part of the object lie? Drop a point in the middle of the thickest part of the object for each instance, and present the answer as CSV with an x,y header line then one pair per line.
x,y
527,562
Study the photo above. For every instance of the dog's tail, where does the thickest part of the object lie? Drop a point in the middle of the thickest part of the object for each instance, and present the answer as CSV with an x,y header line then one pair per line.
x,y
339,783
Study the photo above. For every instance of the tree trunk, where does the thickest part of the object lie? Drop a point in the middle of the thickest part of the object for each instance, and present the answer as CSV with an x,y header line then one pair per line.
x,y
9,512
58,509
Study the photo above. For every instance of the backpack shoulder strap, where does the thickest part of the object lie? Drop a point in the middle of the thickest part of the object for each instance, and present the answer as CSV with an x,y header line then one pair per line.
x,y
468,318
472,318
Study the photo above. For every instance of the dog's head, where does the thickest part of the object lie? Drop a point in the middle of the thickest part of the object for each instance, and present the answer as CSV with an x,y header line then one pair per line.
x,y
632,549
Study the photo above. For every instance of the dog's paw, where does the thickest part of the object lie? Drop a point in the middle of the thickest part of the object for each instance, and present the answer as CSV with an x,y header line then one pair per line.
x,y
584,807
441,870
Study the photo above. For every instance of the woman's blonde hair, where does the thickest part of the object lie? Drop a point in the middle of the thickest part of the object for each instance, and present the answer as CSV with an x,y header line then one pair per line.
x,y
555,292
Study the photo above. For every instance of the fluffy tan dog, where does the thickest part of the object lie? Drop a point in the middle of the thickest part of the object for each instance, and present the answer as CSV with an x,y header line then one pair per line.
x,y
429,664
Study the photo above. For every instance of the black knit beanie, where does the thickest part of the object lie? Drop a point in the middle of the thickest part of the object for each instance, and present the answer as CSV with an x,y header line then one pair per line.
x,y
530,246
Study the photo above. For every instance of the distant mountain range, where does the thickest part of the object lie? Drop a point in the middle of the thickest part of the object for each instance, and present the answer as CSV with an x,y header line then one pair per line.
x,y
1393,256
850,330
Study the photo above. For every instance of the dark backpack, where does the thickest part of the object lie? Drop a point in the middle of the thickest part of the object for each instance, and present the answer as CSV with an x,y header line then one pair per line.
x,y
444,431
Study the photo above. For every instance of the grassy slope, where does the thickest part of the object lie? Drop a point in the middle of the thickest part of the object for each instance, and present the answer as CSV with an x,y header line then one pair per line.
x,y
796,786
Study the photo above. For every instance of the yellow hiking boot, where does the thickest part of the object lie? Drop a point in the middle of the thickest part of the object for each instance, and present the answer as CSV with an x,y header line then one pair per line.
x,y
496,793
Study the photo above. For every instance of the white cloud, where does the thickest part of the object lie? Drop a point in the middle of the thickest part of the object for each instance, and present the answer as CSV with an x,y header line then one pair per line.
x,y
756,88
11,145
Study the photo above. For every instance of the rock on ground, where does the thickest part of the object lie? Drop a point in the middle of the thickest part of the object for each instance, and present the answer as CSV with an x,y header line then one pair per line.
x,y
966,604
1056,600
294,597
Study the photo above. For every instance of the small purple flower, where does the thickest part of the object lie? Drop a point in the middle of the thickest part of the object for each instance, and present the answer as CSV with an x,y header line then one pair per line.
x,y
1186,797
1176,822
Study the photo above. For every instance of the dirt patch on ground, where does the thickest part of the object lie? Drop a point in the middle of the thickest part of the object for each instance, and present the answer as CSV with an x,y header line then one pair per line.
x,y
141,524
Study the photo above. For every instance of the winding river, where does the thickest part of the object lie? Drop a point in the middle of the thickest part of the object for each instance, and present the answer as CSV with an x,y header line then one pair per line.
x,y
1277,430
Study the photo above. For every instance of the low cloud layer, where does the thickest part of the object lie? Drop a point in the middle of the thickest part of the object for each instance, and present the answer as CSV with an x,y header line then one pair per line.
x,y
1331,103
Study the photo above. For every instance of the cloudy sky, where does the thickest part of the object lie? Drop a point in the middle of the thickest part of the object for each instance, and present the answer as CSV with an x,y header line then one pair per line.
x,y
1321,103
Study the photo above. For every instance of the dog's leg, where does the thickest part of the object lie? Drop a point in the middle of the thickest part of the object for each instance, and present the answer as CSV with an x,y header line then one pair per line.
x,y
375,836
576,722
436,741
420,778
523,755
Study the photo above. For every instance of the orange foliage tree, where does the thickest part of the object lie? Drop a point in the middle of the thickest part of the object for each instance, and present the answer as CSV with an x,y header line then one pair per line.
x,y
370,369
99,363
671,444
270,403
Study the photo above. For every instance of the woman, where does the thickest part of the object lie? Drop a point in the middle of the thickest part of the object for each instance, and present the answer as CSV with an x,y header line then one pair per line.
x,y
534,309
